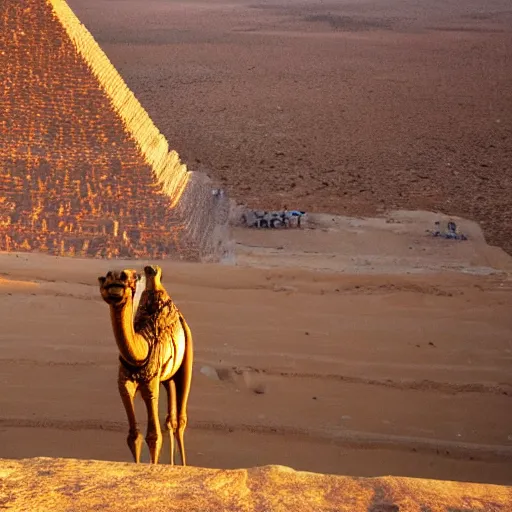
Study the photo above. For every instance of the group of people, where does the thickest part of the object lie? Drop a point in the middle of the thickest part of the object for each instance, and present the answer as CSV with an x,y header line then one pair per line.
x,y
450,232
273,220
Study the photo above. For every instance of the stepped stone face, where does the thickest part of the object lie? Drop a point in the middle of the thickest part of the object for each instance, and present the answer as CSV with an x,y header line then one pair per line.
x,y
83,169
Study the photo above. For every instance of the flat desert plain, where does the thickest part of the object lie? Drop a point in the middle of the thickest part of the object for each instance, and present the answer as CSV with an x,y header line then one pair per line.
x,y
342,106
354,346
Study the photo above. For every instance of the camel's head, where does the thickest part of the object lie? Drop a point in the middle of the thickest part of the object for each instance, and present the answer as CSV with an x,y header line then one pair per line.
x,y
118,286
153,275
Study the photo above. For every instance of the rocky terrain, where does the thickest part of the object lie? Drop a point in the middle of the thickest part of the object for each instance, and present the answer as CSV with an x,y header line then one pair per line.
x,y
339,106
60,485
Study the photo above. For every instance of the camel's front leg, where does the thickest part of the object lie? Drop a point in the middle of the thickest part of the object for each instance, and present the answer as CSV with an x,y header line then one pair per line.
x,y
127,390
171,422
149,392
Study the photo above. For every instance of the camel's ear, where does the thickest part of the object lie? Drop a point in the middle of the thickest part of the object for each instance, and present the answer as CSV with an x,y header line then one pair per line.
x,y
134,275
102,280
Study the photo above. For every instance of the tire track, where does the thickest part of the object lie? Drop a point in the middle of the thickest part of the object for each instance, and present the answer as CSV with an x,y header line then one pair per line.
x,y
424,385
412,385
34,362
451,388
342,438
339,361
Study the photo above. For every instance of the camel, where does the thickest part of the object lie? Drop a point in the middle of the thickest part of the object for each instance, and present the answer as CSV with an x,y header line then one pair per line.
x,y
155,346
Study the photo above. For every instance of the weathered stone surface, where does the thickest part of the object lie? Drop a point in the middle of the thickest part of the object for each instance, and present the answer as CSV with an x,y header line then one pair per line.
x,y
44,484
83,169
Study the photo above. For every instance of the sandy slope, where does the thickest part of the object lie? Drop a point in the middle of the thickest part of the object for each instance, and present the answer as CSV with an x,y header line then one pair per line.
x,y
356,369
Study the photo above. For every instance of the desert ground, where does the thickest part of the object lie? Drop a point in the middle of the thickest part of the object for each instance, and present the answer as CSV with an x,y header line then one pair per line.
x,y
352,346
339,106
359,345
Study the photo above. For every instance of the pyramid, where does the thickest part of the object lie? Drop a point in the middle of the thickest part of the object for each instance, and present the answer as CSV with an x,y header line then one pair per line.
x,y
83,169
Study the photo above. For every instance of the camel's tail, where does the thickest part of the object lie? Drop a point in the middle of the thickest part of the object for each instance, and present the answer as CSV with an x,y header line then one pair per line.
x,y
188,332
139,288
188,357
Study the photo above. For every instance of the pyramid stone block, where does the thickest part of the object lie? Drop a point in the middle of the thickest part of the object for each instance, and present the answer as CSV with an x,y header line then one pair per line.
x,y
83,169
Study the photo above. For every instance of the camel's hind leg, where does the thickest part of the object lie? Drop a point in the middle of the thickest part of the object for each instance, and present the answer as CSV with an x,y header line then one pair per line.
x,y
183,379
127,390
171,422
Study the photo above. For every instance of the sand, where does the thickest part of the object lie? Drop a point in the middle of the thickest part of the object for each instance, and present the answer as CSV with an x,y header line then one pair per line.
x,y
306,355
360,347
61,485
329,106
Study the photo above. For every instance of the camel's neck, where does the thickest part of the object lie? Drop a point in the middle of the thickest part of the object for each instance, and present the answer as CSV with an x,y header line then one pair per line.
x,y
132,346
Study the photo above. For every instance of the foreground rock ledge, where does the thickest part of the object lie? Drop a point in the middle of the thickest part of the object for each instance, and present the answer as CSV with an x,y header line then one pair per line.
x,y
46,484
